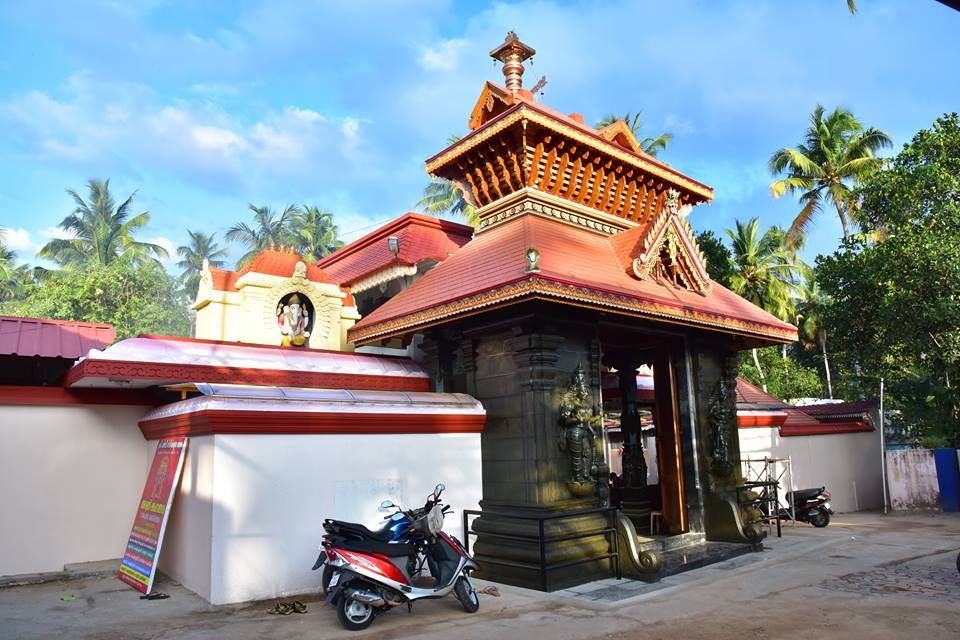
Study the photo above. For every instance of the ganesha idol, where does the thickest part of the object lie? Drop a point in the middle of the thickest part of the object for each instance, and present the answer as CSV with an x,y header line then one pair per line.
x,y
293,319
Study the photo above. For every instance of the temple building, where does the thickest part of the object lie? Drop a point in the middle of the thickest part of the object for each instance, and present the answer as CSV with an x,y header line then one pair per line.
x,y
583,265
575,330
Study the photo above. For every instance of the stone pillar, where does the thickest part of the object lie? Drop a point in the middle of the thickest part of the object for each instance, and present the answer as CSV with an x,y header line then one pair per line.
x,y
716,369
519,376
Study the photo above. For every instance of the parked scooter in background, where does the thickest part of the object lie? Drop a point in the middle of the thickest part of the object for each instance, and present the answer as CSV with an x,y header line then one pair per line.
x,y
367,572
809,505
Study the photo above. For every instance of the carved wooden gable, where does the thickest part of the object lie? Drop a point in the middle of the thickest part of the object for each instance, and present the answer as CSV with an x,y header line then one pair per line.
x,y
669,250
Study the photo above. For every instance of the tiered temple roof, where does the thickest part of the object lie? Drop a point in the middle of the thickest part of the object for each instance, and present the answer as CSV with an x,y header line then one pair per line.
x,y
571,215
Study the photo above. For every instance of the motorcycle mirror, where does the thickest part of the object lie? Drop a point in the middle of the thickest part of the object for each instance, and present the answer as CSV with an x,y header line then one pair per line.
x,y
438,490
385,506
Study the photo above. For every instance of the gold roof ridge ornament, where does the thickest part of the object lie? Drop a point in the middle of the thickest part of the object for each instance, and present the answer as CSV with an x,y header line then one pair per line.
x,y
669,249
512,53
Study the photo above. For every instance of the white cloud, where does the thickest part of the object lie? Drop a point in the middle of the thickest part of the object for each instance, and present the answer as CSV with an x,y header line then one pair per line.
x,y
19,240
167,244
56,232
217,139
127,129
443,57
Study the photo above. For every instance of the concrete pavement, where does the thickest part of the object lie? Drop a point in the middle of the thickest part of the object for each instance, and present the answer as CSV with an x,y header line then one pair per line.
x,y
865,576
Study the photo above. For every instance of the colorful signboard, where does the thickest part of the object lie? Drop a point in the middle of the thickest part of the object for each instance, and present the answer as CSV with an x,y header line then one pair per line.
x,y
139,564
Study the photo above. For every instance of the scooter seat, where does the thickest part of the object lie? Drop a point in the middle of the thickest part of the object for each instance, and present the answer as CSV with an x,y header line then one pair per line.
x,y
374,546
357,529
801,495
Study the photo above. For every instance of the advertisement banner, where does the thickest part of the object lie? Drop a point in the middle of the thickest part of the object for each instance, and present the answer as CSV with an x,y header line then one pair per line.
x,y
139,564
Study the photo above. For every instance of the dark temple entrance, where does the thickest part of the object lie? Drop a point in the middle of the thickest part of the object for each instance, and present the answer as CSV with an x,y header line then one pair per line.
x,y
646,424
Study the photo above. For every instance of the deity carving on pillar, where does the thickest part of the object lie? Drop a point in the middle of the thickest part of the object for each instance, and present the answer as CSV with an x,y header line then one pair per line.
x,y
722,418
579,435
293,319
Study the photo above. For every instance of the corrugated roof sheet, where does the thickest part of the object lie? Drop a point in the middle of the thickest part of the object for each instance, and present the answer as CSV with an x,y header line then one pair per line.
x,y
52,338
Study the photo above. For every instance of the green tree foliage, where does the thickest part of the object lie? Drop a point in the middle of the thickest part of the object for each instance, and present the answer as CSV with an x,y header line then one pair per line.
x,y
444,197
100,231
895,290
813,328
784,377
766,272
268,228
719,258
314,233
15,279
192,255
650,145
135,298
837,151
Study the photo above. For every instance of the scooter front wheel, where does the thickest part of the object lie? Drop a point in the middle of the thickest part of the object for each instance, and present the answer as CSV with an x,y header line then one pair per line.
x,y
466,594
353,614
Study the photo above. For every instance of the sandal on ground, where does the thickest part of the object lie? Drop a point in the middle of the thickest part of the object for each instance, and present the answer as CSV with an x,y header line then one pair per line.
x,y
281,609
299,607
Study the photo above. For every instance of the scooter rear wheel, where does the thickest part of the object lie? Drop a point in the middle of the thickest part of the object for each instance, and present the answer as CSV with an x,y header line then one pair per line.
x,y
819,518
354,615
466,594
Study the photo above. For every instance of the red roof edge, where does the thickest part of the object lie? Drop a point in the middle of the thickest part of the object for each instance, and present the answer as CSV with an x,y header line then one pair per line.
x,y
814,428
407,219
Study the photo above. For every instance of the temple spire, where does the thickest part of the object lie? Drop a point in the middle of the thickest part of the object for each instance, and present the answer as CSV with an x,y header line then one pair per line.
x,y
512,53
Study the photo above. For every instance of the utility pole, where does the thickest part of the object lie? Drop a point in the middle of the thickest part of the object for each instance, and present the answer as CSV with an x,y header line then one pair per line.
x,y
883,451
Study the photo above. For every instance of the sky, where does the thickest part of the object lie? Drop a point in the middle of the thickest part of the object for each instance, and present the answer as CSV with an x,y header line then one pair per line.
x,y
203,107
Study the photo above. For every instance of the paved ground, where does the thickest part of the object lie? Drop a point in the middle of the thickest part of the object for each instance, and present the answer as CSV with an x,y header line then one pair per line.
x,y
865,576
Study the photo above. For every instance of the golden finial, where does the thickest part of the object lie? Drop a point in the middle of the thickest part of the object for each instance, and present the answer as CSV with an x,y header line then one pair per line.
x,y
512,53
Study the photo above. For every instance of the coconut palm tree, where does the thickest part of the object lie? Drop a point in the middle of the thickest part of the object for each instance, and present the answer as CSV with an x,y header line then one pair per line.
x,y
837,151
15,279
269,228
649,145
192,255
315,233
765,272
811,322
444,197
100,232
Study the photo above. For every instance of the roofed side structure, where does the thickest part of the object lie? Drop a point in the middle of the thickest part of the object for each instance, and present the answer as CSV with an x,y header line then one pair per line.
x,y
369,261
757,408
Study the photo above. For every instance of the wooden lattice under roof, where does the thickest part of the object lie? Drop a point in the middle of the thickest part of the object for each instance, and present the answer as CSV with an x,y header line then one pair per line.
x,y
518,144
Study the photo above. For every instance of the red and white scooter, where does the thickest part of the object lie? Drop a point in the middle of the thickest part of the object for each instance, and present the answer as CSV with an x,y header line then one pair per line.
x,y
369,577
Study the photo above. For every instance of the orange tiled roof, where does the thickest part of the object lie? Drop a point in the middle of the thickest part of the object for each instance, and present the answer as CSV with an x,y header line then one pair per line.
x,y
282,263
273,262
577,266
224,279
421,238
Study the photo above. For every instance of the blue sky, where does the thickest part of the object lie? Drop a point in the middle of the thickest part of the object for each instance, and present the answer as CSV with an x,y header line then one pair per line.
x,y
203,106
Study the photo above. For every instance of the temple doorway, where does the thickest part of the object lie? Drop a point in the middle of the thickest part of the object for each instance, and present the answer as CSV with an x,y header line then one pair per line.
x,y
642,434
